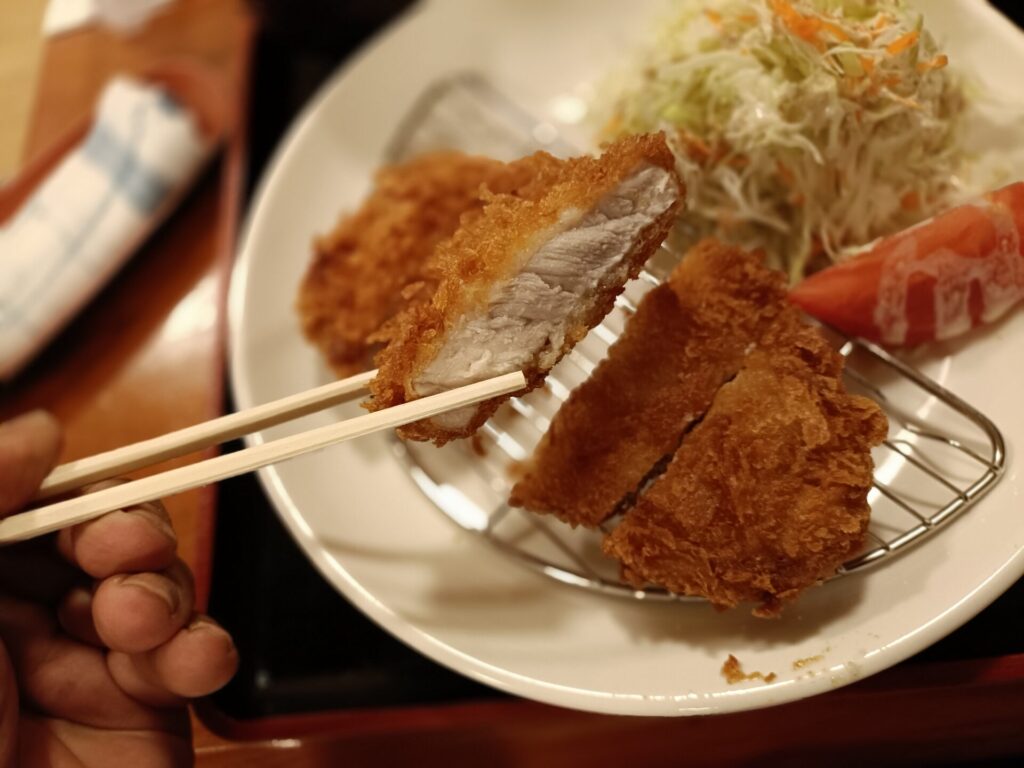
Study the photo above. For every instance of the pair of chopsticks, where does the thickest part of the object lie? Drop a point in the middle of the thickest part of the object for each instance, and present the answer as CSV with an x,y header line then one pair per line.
x,y
75,474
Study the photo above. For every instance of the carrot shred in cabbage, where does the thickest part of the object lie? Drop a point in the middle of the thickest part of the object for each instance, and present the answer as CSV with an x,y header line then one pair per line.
x,y
841,110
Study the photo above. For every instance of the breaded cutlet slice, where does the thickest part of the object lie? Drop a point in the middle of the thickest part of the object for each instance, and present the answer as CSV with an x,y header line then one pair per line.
x,y
768,494
688,337
526,280
378,258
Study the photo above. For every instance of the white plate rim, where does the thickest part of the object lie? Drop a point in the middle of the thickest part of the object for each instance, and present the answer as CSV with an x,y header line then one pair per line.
x,y
747,698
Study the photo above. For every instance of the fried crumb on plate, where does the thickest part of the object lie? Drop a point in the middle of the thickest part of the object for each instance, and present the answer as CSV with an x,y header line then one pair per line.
x,y
733,672
806,662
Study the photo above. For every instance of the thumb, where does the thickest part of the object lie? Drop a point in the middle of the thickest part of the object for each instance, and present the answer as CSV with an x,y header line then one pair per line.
x,y
29,445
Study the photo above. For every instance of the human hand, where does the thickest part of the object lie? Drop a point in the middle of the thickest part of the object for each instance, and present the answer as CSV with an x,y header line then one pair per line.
x,y
100,647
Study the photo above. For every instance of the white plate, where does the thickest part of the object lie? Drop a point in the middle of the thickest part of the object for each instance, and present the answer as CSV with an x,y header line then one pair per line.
x,y
360,519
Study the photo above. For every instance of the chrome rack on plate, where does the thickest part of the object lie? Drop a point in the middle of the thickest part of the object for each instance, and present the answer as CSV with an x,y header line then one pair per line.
x,y
941,455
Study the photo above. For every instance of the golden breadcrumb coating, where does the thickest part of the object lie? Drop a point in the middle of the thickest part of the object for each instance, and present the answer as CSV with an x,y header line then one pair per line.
x,y
377,259
491,248
688,337
768,494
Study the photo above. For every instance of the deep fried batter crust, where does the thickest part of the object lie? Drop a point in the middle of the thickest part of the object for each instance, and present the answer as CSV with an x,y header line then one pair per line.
x,y
688,337
487,250
768,494
377,259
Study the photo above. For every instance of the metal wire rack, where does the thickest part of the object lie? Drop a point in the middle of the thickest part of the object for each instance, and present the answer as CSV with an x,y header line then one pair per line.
x,y
940,457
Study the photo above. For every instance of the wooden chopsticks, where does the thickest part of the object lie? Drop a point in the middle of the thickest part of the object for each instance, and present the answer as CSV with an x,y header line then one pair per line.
x,y
41,520
75,474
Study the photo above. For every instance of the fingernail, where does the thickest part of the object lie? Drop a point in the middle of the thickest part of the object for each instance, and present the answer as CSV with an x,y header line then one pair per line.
x,y
156,586
204,624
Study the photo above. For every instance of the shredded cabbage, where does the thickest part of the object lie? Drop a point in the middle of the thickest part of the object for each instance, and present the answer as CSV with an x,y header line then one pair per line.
x,y
807,128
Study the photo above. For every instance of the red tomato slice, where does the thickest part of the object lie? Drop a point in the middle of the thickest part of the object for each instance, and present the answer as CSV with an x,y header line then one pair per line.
x,y
933,281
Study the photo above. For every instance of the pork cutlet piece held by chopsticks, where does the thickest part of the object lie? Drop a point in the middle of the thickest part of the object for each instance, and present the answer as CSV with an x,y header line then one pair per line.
x,y
525,280
377,259
768,494
688,337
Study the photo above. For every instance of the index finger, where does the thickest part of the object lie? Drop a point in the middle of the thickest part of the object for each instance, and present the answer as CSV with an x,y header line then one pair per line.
x,y
131,540
29,446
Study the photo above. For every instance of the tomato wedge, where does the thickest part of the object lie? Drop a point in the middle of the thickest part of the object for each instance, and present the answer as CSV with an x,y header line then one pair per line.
x,y
935,280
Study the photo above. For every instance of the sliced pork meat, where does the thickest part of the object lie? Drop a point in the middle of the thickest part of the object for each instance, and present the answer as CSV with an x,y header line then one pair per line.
x,y
527,278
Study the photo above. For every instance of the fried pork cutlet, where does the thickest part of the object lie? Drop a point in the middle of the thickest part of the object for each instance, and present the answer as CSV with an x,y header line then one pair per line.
x,y
768,494
688,337
526,279
376,259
